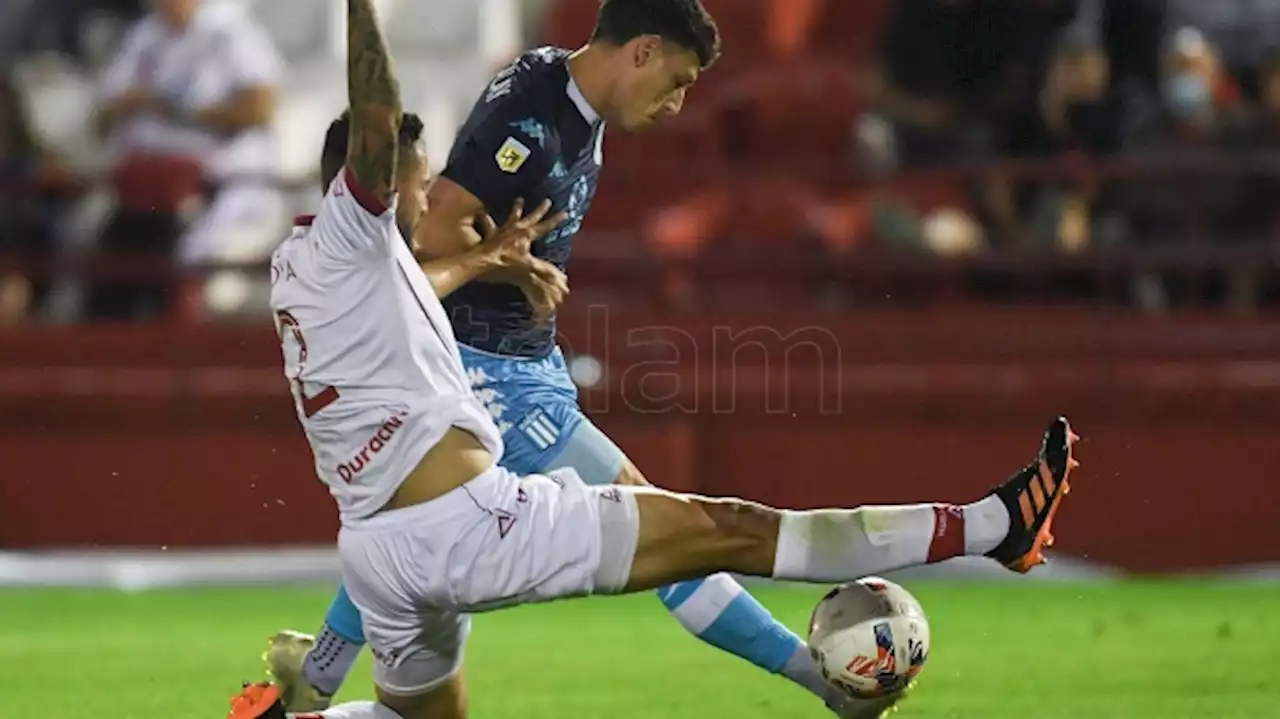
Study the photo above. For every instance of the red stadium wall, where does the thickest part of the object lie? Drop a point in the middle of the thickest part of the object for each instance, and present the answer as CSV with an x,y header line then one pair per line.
x,y
184,437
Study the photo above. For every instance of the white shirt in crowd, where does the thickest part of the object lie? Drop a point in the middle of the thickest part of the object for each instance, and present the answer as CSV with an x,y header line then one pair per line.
x,y
222,51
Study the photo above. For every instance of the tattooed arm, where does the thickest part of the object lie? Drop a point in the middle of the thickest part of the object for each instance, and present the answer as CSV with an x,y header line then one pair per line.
x,y
374,97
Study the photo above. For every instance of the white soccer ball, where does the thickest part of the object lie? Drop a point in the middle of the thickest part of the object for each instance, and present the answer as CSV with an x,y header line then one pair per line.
x,y
870,637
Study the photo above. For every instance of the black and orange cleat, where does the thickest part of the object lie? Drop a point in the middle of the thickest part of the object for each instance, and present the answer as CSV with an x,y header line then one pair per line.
x,y
1032,497
257,701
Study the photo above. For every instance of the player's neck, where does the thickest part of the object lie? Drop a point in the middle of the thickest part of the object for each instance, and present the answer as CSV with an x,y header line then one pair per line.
x,y
587,66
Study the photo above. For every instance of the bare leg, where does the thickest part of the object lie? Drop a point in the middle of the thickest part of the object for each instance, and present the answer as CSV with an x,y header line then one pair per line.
x,y
685,536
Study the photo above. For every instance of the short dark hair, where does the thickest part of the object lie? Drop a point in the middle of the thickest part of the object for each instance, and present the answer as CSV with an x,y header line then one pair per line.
x,y
334,154
683,22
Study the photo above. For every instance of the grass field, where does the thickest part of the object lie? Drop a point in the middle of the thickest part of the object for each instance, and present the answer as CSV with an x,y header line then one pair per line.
x,y
1128,651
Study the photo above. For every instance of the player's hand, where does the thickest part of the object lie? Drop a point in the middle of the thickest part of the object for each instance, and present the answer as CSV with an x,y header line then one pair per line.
x,y
546,287
509,245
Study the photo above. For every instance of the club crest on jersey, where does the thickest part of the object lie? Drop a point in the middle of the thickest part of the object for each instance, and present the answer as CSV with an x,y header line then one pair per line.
x,y
512,156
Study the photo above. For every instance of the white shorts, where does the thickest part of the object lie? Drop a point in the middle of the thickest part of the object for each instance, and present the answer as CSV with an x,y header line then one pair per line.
x,y
497,541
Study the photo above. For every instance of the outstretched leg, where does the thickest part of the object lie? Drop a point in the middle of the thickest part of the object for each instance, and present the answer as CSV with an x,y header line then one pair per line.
x,y
684,536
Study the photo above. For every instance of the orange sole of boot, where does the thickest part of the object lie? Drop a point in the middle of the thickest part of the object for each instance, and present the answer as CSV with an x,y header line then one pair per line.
x,y
254,700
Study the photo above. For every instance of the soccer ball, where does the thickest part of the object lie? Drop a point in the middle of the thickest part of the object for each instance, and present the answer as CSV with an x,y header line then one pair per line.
x,y
870,637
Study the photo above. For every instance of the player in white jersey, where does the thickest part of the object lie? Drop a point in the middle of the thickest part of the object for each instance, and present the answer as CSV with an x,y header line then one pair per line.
x,y
433,530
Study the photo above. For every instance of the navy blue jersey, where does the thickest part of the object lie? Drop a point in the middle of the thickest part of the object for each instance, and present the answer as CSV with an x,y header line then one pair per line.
x,y
530,135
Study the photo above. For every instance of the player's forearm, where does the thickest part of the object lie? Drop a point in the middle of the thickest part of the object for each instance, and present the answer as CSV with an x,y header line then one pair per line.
x,y
252,107
374,97
449,273
510,275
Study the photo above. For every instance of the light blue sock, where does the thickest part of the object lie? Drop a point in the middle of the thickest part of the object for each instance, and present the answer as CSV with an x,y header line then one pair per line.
x,y
721,613
337,645
344,619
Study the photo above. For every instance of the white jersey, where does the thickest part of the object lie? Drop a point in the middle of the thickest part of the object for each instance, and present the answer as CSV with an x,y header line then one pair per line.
x,y
368,350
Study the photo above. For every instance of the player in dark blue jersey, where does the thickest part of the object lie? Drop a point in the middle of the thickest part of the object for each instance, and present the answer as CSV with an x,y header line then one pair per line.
x,y
537,133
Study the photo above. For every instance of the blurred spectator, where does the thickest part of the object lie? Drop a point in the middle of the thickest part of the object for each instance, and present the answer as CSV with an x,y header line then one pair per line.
x,y
1244,31
1131,32
927,212
65,27
1074,116
1198,111
789,25
949,68
187,106
34,188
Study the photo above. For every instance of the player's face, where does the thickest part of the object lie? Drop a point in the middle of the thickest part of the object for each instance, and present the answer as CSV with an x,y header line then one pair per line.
x,y
655,85
411,187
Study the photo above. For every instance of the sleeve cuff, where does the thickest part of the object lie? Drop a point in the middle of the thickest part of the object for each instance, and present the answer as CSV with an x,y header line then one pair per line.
x,y
366,199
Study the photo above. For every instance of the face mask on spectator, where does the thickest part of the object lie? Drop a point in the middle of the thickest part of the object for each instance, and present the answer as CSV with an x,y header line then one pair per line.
x,y
1187,95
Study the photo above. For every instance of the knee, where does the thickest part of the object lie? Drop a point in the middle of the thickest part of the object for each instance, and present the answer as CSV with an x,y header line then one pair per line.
x,y
631,476
447,701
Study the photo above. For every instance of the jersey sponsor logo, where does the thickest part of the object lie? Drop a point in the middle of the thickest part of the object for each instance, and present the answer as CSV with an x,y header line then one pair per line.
x,y
351,468
512,156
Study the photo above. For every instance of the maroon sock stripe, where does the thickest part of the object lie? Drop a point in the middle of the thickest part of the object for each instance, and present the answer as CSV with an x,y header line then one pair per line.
x,y
948,533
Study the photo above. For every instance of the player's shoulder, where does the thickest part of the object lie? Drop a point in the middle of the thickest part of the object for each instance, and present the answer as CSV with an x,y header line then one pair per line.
x,y
529,84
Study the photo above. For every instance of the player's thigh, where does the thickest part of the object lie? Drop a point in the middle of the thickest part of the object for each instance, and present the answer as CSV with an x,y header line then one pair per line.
x,y
553,537
449,700
549,537
417,653
683,537
391,568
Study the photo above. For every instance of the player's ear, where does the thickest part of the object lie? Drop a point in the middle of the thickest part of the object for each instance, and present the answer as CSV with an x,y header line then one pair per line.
x,y
647,48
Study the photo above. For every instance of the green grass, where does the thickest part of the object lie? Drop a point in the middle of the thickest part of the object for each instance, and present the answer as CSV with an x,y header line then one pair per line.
x,y
1129,651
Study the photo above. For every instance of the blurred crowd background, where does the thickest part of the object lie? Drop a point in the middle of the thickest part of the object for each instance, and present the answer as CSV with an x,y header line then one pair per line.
x,y
842,152
878,226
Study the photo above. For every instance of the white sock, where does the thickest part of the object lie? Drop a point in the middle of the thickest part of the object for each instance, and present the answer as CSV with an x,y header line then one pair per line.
x,y
354,710
986,523
330,660
802,670
840,545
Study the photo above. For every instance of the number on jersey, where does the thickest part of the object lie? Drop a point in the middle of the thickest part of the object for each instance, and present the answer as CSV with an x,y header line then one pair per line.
x,y
325,397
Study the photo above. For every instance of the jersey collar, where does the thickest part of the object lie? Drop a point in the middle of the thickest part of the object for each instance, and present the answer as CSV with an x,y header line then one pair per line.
x,y
584,108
